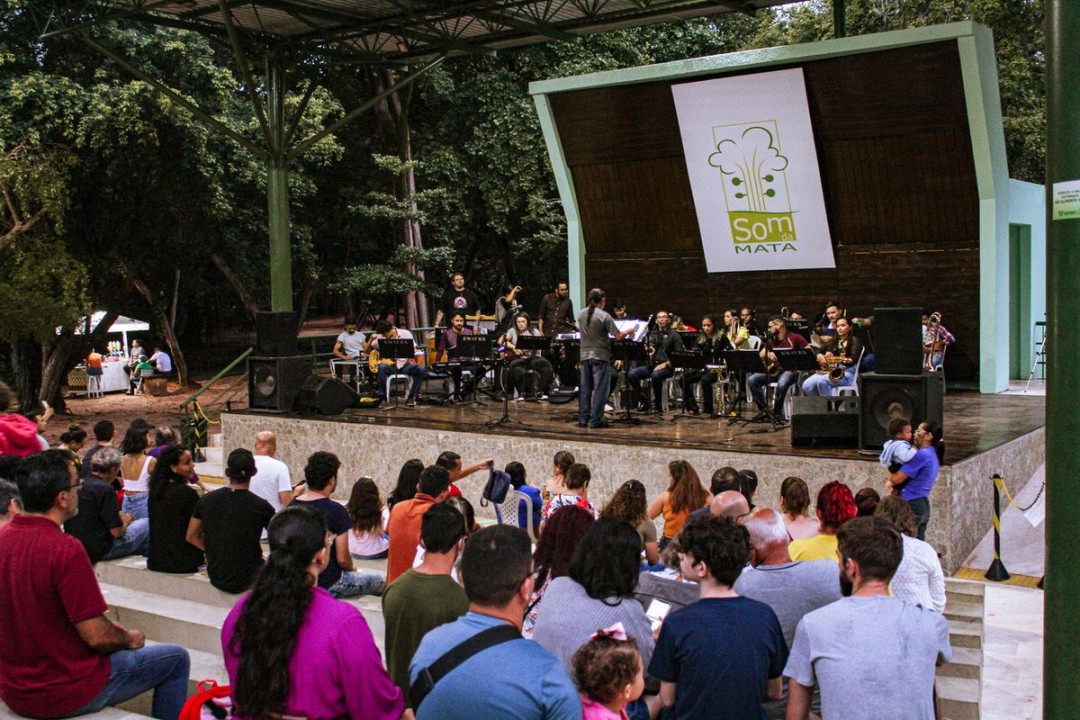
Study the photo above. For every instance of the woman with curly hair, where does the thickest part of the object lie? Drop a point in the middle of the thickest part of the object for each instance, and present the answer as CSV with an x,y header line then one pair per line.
x,y
630,504
367,538
684,495
171,503
835,506
795,506
291,649
554,551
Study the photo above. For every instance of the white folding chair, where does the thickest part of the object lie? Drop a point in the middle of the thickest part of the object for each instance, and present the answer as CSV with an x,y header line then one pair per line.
x,y
506,512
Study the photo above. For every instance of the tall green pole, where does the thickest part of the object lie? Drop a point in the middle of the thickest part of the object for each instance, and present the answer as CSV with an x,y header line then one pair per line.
x,y
1061,651
839,18
277,190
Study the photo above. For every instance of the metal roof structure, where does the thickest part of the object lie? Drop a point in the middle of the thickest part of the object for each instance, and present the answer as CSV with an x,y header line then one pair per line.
x,y
404,31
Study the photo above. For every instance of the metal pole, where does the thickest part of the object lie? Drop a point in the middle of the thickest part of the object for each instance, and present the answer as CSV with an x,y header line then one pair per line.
x,y
277,191
997,571
839,18
1061,652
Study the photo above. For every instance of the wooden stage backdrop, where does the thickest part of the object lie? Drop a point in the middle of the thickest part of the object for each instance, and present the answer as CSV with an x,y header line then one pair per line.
x,y
891,129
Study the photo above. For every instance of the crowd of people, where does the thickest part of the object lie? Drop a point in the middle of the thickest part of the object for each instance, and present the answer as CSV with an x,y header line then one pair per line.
x,y
735,609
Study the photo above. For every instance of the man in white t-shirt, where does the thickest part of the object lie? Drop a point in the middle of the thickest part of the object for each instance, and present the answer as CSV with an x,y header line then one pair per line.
x,y
348,348
272,482
403,366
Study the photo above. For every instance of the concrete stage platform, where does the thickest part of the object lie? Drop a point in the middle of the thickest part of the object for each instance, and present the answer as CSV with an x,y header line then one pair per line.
x,y
985,434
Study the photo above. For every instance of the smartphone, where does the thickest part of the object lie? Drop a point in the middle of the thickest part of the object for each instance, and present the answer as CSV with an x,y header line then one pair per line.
x,y
658,610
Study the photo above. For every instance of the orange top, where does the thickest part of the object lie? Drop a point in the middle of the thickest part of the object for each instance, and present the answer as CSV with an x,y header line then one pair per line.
x,y
673,521
93,360
404,531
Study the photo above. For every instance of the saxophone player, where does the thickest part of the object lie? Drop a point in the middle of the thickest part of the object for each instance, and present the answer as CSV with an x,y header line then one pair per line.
x,y
663,339
845,358
710,342
779,338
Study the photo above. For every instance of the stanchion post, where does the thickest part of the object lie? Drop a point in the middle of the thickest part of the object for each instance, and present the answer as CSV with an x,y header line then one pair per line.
x,y
997,571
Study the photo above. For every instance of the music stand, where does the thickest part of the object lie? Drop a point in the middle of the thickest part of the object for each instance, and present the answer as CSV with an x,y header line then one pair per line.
x,y
799,327
742,363
476,348
688,338
686,360
627,351
396,349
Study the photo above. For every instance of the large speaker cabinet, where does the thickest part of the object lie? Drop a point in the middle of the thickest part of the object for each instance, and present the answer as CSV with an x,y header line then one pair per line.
x,y
274,382
824,421
919,398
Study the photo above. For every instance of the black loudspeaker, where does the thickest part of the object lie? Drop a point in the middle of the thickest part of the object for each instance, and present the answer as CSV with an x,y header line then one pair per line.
x,y
825,421
275,333
898,334
919,398
326,396
274,382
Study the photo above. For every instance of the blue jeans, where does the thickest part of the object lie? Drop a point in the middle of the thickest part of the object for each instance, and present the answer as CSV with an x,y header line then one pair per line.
x,y
657,377
820,384
135,541
162,668
358,582
137,504
921,508
758,383
416,372
593,391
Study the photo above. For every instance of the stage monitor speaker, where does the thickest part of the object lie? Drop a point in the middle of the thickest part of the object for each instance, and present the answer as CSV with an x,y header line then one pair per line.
x,y
918,398
898,335
824,421
275,333
274,382
326,396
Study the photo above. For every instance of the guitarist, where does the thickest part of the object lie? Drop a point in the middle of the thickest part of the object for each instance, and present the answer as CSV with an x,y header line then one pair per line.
x,y
388,367
447,343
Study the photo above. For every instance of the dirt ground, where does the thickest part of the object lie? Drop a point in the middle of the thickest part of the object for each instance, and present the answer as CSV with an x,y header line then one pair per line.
x,y
121,409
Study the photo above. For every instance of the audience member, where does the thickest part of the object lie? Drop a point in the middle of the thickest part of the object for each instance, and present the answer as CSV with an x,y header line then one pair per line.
x,y
729,504
452,462
867,634
172,501
272,481
467,512
866,502
424,597
915,479
163,437
408,479
726,478
135,470
405,517
789,587
59,654
723,655
498,572
10,502
40,414
73,439
609,673
228,523
516,471
161,361
795,504
18,433
748,482
104,433
557,484
367,537
630,504
291,649
576,493
835,506
598,592
684,495
103,530
339,577
897,449
554,552
666,585
919,579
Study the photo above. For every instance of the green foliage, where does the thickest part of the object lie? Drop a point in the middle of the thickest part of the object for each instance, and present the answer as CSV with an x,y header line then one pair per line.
x,y
42,288
392,278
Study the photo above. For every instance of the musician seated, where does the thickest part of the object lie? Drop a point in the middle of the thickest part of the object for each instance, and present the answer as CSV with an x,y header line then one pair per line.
x,y
402,366
934,348
711,343
662,340
445,351
779,338
845,357
525,360
737,334
348,348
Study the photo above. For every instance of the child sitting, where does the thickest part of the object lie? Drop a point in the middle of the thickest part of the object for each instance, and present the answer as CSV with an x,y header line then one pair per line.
x,y
608,673
367,539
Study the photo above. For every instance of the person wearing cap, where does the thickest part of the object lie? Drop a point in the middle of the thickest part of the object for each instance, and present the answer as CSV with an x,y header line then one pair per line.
x,y
227,525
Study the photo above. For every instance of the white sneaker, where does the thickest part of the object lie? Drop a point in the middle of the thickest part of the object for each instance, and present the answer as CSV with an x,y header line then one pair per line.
x,y
608,408
519,398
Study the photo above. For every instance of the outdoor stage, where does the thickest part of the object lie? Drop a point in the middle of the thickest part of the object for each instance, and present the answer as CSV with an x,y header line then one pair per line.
x,y
985,434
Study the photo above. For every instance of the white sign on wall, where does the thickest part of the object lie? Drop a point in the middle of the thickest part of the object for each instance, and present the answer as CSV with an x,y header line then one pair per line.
x,y
754,173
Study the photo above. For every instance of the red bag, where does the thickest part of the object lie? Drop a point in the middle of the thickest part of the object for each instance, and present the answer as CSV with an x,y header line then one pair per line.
x,y
211,702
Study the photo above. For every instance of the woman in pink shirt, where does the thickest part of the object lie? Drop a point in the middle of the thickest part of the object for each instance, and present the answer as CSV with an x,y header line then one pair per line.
x,y
291,649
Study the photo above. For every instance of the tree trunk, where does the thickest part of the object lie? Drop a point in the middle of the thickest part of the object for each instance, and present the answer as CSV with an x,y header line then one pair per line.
x,y
59,359
157,311
306,293
238,286
26,364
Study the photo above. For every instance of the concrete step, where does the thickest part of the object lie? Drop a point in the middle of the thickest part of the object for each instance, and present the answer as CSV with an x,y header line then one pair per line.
x,y
215,440
958,698
204,666
966,663
965,634
214,454
131,573
964,591
969,612
196,626
110,713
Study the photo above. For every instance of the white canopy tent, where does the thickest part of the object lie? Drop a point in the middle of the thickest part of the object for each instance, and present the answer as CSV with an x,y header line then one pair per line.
x,y
122,325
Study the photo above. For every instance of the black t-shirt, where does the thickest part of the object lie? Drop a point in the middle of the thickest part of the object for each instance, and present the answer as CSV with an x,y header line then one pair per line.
x,y
85,468
170,513
337,522
233,521
456,303
98,514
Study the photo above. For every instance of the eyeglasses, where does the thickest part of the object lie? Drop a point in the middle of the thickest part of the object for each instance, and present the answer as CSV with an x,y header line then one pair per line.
x,y
76,486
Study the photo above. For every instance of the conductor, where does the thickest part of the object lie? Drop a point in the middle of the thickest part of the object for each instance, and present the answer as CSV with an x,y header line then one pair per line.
x,y
597,328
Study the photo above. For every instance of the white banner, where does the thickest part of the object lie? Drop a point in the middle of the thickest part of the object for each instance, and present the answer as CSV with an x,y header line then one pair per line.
x,y
754,173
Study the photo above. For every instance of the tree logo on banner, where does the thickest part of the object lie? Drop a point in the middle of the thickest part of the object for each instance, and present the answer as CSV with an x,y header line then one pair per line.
x,y
754,179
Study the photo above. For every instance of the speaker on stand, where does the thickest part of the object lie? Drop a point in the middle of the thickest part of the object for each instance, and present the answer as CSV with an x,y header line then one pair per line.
x,y
919,398
274,382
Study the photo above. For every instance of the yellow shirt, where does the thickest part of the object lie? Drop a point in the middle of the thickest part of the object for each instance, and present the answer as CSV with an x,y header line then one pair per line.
x,y
819,547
